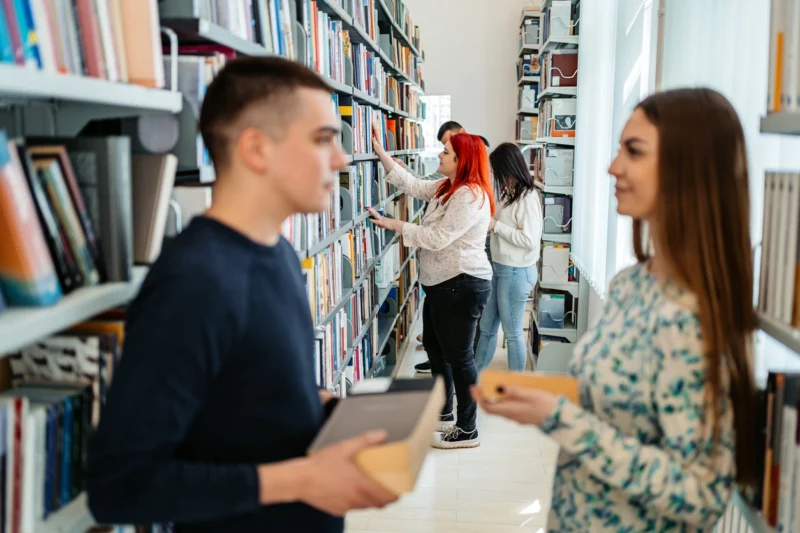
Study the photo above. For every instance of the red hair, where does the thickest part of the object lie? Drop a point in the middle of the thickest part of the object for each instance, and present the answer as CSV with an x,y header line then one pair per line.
x,y
472,170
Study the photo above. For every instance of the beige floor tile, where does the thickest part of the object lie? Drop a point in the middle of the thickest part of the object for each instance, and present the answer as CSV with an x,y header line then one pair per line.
x,y
415,526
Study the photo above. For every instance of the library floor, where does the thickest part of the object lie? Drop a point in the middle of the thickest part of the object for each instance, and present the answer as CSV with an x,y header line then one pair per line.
x,y
502,486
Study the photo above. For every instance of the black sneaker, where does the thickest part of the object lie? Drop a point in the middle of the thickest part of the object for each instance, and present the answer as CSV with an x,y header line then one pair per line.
x,y
456,438
423,368
446,422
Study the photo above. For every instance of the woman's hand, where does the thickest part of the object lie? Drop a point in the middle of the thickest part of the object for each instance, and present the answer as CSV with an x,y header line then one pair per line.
x,y
385,222
377,145
492,222
526,406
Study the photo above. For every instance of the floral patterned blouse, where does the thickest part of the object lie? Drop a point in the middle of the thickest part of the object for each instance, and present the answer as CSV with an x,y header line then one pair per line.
x,y
638,455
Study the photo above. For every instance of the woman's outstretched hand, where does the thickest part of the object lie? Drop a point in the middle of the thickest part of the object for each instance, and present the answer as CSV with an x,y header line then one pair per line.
x,y
526,406
384,222
377,145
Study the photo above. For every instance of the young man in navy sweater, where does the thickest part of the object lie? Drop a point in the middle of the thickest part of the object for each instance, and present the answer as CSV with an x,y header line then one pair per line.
x,y
214,403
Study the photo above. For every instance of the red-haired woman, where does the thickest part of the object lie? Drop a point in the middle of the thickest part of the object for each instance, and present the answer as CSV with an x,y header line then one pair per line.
x,y
454,270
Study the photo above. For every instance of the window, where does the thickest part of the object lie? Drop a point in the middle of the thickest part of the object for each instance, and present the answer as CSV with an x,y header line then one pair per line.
x,y
437,113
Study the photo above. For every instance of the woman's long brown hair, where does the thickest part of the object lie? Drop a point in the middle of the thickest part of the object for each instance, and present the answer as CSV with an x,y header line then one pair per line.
x,y
703,235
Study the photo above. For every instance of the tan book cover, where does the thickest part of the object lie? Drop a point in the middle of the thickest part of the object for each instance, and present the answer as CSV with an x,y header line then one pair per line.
x,y
410,415
491,380
143,55
153,181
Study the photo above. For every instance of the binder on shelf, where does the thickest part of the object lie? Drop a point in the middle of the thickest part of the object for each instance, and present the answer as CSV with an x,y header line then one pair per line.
x,y
555,263
552,311
409,412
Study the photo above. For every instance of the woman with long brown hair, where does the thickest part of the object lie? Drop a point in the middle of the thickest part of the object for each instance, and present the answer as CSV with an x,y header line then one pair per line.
x,y
453,269
664,429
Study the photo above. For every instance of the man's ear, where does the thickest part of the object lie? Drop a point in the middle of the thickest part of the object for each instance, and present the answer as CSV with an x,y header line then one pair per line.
x,y
253,149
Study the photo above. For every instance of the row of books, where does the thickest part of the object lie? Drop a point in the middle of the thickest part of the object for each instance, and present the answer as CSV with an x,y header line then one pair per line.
x,y
406,98
266,22
780,254
367,361
404,59
402,17
560,19
197,67
62,228
59,388
365,185
778,437
107,39
349,324
365,15
557,117
328,43
784,56
361,118
407,133
369,75
559,69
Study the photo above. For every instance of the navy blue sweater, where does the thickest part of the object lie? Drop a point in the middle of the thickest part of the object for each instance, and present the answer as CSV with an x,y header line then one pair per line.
x,y
216,378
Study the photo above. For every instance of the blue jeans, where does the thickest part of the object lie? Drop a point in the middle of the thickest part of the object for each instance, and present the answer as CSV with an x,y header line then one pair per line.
x,y
511,287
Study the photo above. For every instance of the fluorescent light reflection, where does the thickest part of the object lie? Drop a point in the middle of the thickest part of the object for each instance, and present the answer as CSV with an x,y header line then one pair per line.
x,y
533,508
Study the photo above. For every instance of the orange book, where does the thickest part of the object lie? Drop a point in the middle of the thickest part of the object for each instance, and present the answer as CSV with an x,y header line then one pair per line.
x,y
143,43
491,381
27,274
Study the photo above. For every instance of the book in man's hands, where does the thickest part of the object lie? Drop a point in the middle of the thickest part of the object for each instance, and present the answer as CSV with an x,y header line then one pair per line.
x,y
408,410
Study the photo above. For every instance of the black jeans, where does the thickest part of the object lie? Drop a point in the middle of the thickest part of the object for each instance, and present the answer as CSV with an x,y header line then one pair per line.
x,y
449,320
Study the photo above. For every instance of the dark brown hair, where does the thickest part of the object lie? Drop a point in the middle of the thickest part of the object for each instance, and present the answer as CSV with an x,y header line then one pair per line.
x,y
512,178
243,83
703,235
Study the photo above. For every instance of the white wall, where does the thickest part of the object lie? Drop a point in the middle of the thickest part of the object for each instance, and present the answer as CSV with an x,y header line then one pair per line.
x,y
471,49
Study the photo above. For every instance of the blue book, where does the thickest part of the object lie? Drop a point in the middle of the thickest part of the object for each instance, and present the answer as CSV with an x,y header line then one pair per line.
x,y
27,32
6,48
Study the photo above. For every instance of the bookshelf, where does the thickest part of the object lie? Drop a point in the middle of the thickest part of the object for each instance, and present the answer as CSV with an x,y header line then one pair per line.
x,y
22,326
65,103
546,73
35,85
200,31
765,509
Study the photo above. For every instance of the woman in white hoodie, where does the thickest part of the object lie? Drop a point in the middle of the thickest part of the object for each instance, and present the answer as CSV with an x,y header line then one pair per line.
x,y
516,234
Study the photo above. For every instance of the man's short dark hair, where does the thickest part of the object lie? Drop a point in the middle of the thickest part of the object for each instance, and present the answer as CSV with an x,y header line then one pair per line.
x,y
450,125
244,82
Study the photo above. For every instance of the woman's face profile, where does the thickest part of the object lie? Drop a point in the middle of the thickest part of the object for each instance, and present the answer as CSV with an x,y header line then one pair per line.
x,y
635,168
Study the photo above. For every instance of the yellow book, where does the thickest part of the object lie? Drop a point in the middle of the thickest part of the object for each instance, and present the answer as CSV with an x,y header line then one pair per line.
x,y
491,381
408,411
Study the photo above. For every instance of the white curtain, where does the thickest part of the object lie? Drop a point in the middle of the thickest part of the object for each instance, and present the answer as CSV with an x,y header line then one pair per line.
x,y
593,140
616,71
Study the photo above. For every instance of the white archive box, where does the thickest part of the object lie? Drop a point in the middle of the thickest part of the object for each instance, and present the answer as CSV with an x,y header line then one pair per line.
x,y
558,166
555,263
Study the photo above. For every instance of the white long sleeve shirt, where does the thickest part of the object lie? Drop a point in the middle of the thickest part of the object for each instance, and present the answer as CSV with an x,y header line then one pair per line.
x,y
517,237
451,236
